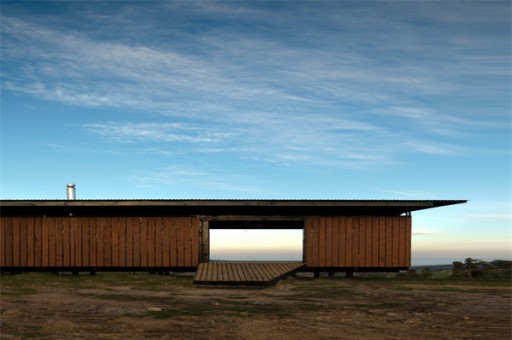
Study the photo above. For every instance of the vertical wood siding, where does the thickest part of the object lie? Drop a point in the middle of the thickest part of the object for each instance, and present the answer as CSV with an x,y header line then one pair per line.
x,y
99,242
363,241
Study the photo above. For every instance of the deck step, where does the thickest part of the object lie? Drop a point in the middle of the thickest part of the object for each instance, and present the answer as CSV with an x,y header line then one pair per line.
x,y
244,273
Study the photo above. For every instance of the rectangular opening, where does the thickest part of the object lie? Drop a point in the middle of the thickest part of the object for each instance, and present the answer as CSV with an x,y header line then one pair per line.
x,y
256,240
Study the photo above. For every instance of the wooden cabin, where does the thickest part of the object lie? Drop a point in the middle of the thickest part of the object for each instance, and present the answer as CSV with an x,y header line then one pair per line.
x,y
173,235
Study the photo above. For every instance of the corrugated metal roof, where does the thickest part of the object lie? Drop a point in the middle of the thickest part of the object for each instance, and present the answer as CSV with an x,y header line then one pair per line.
x,y
225,199
288,207
227,202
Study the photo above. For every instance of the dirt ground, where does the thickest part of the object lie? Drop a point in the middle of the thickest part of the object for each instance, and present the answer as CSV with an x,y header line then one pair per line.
x,y
142,306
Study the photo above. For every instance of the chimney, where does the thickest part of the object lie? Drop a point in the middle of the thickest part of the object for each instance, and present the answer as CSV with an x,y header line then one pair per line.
x,y
71,191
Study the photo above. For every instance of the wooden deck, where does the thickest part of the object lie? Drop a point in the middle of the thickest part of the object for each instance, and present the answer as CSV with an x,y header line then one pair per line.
x,y
244,273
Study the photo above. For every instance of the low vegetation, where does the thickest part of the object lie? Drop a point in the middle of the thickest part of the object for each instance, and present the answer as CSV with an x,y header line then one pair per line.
x,y
498,269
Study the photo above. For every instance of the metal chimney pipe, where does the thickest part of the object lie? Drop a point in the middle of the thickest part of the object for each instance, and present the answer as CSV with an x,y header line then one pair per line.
x,y
71,191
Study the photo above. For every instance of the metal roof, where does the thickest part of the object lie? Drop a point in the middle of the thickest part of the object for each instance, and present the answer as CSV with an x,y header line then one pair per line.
x,y
295,207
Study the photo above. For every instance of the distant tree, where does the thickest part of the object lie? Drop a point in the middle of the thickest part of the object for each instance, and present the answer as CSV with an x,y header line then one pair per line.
x,y
478,268
458,269
502,269
470,267
502,264
468,264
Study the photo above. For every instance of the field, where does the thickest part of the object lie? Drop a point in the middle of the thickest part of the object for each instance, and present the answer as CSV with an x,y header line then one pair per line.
x,y
142,306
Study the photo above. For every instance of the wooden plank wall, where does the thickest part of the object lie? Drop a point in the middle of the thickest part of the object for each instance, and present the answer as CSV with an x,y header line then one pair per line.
x,y
362,241
44,242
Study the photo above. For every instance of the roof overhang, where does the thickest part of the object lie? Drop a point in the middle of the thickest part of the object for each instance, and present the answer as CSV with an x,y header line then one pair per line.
x,y
217,207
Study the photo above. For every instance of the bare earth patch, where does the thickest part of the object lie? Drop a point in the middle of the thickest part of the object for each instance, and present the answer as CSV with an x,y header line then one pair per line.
x,y
141,306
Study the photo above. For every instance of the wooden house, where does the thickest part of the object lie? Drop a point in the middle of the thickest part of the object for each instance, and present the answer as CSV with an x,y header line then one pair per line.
x,y
173,235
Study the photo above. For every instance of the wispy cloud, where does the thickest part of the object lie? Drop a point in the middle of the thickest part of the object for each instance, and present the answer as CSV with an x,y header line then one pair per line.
x,y
231,67
311,98
287,140
408,194
155,132
177,176
425,233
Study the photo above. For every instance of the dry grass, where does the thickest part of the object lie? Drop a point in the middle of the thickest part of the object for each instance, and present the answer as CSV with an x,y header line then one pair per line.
x,y
128,305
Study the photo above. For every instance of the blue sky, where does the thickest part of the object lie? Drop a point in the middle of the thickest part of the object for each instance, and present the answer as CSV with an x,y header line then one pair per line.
x,y
280,99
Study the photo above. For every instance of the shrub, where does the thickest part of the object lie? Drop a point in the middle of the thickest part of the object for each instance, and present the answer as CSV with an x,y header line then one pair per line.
x,y
479,269
426,273
459,269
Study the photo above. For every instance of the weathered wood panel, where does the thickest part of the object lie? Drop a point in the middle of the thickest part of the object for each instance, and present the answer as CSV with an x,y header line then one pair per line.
x,y
129,242
16,241
22,223
187,238
342,239
368,241
408,235
31,250
349,243
143,242
136,242
382,242
99,242
363,241
375,242
93,241
121,244
389,240
37,241
2,242
6,225
45,247
402,243
57,260
166,234
396,242
158,242
335,243
309,240
151,242
107,242
115,241
179,243
66,246
173,235
72,241
361,226
195,231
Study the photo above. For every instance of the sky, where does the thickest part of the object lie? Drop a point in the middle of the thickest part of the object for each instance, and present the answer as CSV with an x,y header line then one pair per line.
x,y
267,100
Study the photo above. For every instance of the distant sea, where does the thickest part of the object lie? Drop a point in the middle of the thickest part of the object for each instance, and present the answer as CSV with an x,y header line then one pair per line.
x,y
296,255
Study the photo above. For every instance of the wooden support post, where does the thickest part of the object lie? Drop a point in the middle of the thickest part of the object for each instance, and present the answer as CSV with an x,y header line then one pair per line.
x,y
349,274
205,242
331,273
316,274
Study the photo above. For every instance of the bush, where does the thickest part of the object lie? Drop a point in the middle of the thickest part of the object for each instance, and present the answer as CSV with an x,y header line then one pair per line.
x,y
414,274
426,273
501,269
458,269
